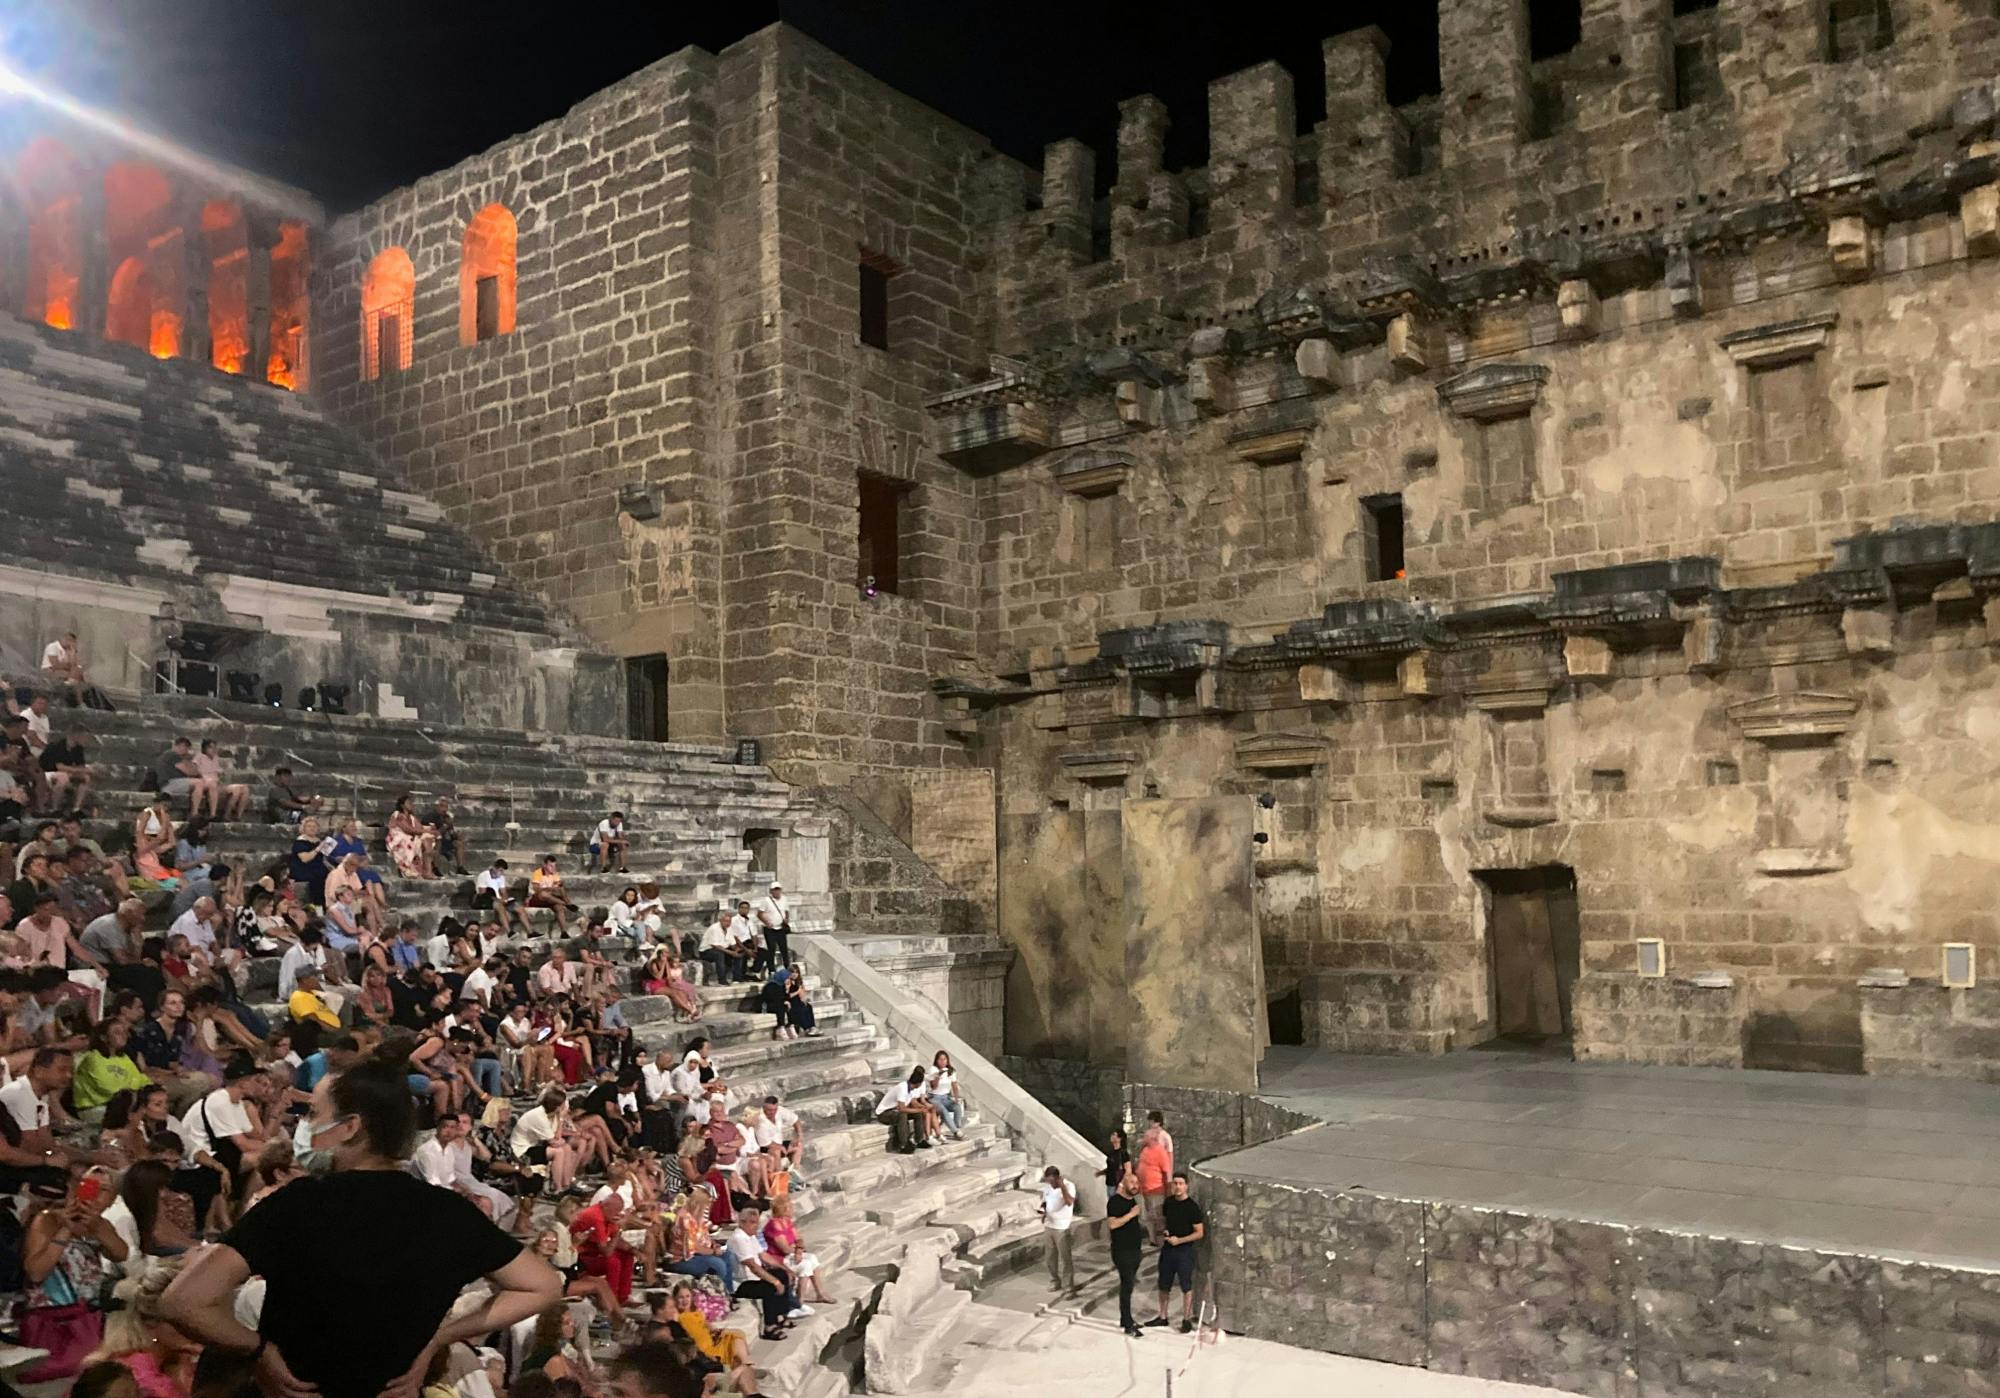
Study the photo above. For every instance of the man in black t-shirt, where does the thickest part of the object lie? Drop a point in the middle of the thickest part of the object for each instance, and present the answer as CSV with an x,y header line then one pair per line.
x,y
67,768
1128,1243
1185,1225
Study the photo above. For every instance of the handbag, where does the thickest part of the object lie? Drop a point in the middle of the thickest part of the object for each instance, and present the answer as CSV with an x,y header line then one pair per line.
x,y
69,1332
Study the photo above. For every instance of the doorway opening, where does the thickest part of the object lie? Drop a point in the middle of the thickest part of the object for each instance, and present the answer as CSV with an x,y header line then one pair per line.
x,y
1286,1018
646,698
1535,950
762,843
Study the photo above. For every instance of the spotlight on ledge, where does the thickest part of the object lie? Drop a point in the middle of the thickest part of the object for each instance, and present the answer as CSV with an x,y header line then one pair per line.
x,y
274,695
309,699
868,588
332,697
242,686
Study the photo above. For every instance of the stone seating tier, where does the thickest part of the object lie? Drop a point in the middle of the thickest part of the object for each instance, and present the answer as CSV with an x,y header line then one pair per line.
x,y
114,462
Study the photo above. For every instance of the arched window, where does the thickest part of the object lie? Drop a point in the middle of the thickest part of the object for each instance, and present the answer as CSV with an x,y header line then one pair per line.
x,y
143,242
289,302
388,298
51,186
228,257
486,277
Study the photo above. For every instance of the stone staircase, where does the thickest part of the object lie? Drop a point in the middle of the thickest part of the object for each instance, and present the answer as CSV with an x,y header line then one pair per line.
x,y
515,795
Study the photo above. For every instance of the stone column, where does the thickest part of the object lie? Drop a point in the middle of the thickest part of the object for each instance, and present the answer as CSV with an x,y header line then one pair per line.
x,y
1357,145
13,252
1252,126
1069,172
196,267
1142,142
1483,53
260,235
94,277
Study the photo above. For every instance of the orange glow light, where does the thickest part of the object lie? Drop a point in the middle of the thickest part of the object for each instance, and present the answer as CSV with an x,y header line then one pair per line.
x,y
388,292
489,253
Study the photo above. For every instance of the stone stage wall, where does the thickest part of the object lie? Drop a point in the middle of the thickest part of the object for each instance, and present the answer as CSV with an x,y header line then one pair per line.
x,y
1590,1308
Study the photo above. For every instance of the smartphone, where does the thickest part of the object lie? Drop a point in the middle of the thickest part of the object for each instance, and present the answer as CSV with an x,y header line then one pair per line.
x,y
88,1188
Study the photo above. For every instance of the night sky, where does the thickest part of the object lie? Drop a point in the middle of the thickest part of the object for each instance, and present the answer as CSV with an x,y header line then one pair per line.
x,y
350,98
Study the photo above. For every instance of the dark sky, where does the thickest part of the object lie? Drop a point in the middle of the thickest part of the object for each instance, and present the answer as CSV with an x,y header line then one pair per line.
x,y
350,98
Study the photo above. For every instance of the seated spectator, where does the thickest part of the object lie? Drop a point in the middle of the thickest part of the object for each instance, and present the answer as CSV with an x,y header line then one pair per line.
x,y
600,1249
489,893
220,1133
625,920
715,950
154,1218
153,839
551,1352
545,890
114,939
347,843
84,892
161,1042
439,1162
908,1117
307,863
46,940
779,1126
19,762
307,1003
106,1069
66,1253
722,1352
200,924
611,838
33,883
558,975
760,1279
542,1136
782,1240
746,944
223,1025
493,1158
339,925
34,1100
226,800
941,1090
404,953
191,848
174,772
38,1019
286,804
65,764
449,848
412,844
46,841
62,668
652,913
554,1246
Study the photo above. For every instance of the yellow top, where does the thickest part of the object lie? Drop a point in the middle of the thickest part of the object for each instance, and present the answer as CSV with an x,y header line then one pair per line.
x,y
304,1005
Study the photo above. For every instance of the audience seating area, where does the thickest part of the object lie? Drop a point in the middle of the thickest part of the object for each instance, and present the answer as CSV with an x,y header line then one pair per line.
x,y
114,463
897,1234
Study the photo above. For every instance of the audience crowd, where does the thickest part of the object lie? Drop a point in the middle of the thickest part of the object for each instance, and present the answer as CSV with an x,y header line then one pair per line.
x,y
200,1164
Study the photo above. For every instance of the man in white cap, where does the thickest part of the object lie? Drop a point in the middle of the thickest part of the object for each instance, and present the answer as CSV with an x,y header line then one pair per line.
x,y
774,920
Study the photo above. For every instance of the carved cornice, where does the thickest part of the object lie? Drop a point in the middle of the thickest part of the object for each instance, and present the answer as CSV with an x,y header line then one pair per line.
x,y
1784,342
1494,390
1804,716
1093,472
1281,752
1093,768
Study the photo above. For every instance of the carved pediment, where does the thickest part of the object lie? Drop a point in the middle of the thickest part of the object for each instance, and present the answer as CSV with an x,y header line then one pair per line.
x,y
1764,346
1099,767
1281,752
1494,390
1801,717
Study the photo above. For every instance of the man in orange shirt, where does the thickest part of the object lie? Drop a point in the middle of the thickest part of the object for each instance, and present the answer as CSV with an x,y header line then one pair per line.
x,y
1156,1171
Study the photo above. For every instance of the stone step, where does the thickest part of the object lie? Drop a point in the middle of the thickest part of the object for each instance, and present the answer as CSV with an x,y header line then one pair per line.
x,y
896,1353
906,1205
889,1169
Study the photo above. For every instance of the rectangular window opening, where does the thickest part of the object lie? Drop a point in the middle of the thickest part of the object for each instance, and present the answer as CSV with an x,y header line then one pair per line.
x,y
646,698
879,542
1857,27
1382,523
388,343
874,304
486,308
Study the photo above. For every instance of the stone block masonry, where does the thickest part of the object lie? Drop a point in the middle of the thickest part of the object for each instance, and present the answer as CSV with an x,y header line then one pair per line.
x,y
1590,1308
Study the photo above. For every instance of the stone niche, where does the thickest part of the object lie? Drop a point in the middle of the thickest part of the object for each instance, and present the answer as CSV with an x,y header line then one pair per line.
x,y
1808,767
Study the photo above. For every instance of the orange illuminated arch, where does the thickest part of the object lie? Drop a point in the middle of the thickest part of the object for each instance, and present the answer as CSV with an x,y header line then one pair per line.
x,y
227,246
143,242
290,301
486,276
50,182
388,299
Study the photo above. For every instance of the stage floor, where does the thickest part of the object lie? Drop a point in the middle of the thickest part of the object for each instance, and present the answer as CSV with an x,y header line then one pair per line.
x,y
1903,1168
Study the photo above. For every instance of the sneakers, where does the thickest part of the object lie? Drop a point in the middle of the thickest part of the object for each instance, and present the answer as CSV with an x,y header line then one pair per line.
x,y
1135,1332
1156,1320
1187,1327
924,1145
795,1312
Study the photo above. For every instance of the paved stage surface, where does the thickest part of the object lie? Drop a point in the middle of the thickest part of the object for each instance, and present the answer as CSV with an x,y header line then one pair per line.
x,y
1906,1168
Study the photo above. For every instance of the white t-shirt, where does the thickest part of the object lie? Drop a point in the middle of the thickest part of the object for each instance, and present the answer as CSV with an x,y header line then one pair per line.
x,y
118,1214
227,1117
772,1132
741,931
659,1081
897,1096
437,951
532,1128
940,1082
745,1249
1058,1213
478,982
199,934
493,880
436,1164
30,1113
296,959
53,655
555,979
686,1080
715,936
38,729
624,1191
607,831
623,915
769,911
